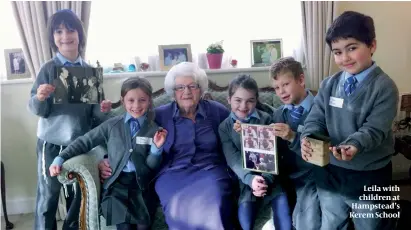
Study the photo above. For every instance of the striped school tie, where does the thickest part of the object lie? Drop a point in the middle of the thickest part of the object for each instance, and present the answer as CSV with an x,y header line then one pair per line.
x,y
296,113
349,85
134,126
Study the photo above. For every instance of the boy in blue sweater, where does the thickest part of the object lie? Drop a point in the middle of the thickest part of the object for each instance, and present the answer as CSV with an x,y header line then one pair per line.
x,y
59,124
355,108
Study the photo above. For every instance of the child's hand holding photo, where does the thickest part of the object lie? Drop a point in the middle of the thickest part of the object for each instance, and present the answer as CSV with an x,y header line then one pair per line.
x,y
44,91
105,106
284,131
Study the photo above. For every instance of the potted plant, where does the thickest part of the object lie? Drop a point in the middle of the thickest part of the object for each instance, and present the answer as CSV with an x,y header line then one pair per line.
x,y
215,55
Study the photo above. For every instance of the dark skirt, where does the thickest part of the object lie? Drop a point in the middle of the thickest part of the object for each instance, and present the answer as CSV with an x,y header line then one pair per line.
x,y
195,198
123,202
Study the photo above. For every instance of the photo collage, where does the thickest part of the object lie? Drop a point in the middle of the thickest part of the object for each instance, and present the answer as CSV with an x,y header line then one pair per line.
x,y
259,148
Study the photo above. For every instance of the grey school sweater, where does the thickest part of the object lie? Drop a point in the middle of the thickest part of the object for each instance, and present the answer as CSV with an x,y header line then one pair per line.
x,y
60,124
364,121
291,160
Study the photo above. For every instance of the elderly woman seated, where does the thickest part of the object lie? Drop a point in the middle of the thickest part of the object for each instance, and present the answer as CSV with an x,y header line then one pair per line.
x,y
194,184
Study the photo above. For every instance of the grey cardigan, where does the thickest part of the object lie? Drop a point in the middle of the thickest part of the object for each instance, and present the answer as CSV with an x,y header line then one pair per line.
x,y
120,147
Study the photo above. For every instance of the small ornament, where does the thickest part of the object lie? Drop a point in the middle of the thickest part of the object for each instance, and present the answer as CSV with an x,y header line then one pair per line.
x,y
132,68
144,66
233,63
118,67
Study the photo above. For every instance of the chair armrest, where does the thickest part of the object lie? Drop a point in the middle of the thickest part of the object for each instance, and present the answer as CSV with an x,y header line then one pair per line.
x,y
84,169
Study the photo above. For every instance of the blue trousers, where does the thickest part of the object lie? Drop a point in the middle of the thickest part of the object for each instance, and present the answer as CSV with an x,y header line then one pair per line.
x,y
343,196
48,192
247,212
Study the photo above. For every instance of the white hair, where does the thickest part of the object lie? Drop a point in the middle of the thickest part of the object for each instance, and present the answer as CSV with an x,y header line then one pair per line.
x,y
185,69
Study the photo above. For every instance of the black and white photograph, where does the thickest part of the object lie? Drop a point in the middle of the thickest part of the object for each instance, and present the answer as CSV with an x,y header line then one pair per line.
x,y
259,154
250,131
261,162
171,55
16,64
266,144
78,85
265,132
250,142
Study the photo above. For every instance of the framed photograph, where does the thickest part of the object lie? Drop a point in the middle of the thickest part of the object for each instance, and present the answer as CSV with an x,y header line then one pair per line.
x,y
171,55
265,52
78,85
259,148
16,64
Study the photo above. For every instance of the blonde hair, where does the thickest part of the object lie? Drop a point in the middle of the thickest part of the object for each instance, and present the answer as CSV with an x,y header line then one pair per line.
x,y
285,65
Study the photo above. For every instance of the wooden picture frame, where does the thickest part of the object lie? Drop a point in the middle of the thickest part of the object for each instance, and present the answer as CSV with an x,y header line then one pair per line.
x,y
265,52
171,55
16,65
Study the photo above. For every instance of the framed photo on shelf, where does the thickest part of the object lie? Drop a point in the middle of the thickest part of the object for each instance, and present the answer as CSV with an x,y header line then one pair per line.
x,y
16,64
265,52
171,55
259,148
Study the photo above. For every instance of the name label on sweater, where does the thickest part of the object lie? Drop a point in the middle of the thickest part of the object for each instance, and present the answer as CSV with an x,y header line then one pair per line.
x,y
336,102
143,140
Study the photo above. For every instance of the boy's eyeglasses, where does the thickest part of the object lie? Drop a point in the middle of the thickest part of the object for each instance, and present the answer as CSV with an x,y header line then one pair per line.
x,y
183,87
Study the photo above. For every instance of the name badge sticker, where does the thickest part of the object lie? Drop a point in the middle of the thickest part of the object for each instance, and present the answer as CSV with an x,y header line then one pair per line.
x,y
336,102
143,140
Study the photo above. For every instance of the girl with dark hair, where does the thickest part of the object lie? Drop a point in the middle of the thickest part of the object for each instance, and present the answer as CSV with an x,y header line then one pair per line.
x,y
255,187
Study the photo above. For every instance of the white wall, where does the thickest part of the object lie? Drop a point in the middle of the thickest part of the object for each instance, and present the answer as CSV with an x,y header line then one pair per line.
x,y
393,34
18,131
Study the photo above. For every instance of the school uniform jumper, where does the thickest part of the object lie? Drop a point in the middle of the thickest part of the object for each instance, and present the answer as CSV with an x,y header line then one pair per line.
x,y
134,160
306,213
355,110
58,126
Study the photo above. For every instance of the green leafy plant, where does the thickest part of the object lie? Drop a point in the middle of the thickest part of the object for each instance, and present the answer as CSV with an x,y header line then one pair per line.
x,y
215,48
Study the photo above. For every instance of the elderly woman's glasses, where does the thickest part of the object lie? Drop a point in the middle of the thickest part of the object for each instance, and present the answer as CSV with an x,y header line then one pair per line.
x,y
183,87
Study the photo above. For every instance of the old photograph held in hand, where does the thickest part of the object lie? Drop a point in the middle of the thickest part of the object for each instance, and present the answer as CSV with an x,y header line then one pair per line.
x,y
78,85
259,148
